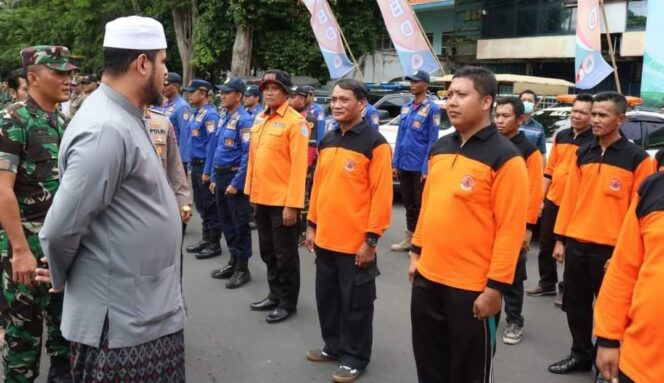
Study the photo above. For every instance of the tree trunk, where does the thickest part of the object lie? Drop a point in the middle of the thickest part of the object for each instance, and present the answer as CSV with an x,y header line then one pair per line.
x,y
242,50
184,23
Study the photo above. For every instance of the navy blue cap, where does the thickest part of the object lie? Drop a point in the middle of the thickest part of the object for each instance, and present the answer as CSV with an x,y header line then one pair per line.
x,y
310,89
299,90
252,90
419,75
198,84
173,78
232,84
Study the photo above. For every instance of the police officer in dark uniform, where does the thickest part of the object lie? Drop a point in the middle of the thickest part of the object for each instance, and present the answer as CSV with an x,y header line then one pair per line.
x,y
316,110
252,101
418,131
298,100
202,125
226,164
179,112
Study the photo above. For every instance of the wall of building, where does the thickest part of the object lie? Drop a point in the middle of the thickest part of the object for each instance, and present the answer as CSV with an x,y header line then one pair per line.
x,y
381,66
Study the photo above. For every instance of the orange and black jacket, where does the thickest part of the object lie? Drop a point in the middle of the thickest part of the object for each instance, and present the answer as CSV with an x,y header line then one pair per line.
x,y
277,168
563,154
534,164
352,191
473,214
599,190
629,308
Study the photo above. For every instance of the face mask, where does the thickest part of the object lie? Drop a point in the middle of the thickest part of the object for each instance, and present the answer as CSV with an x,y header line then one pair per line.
x,y
528,107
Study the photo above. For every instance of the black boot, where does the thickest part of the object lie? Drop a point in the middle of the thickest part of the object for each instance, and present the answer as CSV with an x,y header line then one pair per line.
x,y
212,249
59,371
202,244
241,275
226,271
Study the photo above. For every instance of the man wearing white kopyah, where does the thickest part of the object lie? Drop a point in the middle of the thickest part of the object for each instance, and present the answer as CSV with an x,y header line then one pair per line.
x,y
112,236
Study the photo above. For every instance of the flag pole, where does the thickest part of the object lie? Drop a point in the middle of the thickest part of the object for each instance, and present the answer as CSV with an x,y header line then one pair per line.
x,y
612,53
343,38
442,70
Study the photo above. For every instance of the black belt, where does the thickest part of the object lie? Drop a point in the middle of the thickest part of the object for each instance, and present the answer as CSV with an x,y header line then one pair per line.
x,y
226,169
197,161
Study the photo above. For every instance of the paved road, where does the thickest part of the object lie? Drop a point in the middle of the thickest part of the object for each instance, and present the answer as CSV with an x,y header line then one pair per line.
x,y
226,342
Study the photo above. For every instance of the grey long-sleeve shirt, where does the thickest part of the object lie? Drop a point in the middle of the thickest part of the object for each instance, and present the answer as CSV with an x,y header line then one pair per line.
x,y
113,233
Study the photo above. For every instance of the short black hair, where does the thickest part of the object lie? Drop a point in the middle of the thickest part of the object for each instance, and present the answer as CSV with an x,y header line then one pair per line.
x,y
659,157
359,89
584,97
528,91
117,61
517,105
483,80
13,78
619,101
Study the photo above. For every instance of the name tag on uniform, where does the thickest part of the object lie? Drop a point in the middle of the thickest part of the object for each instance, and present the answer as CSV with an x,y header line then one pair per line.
x,y
279,124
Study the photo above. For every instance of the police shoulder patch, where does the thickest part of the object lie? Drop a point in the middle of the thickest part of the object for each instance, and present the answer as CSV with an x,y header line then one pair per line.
x,y
209,125
436,119
304,128
375,119
186,116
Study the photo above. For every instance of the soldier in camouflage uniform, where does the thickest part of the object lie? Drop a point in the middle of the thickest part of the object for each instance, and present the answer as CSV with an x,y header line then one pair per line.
x,y
30,134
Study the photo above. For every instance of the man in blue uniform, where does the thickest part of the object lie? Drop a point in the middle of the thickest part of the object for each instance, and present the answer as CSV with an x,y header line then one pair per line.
x,y
252,101
418,131
202,125
226,165
178,110
533,130
317,111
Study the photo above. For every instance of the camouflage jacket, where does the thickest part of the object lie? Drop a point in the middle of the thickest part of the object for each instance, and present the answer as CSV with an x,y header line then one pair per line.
x,y
29,142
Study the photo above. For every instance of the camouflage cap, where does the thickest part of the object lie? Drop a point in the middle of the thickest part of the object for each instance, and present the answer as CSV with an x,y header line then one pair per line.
x,y
53,56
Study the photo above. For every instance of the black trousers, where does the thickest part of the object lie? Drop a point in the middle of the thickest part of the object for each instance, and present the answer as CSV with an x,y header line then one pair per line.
x,y
513,297
234,213
204,200
278,247
624,378
450,346
584,272
548,270
345,297
410,187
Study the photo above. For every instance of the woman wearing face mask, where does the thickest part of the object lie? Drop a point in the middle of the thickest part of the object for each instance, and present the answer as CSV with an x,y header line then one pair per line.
x,y
533,130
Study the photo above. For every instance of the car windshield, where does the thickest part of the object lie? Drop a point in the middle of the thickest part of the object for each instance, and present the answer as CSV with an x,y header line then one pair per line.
x,y
552,120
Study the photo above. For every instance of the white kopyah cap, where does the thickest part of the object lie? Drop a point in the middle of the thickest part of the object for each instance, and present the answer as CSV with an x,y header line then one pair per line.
x,y
135,32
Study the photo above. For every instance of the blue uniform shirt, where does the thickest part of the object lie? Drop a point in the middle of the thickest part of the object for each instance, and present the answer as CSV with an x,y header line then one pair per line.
x,y
369,114
253,112
229,146
319,113
418,131
179,112
201,126
534,132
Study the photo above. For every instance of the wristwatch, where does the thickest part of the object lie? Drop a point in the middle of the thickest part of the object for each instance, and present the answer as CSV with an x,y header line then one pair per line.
x,y
186,208
371,241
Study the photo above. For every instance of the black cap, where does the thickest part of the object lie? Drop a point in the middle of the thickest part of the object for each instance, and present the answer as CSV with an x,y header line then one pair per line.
x,y
89,79
278,77
252,90
232,84
299,91
419,75
310,89
173,78
198,84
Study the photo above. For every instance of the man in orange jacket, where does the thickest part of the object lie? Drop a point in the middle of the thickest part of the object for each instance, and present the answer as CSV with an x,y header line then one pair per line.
x,y
355,161
628,314
276,175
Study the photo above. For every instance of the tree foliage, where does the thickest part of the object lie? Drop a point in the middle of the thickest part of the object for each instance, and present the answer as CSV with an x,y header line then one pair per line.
x,y
282,34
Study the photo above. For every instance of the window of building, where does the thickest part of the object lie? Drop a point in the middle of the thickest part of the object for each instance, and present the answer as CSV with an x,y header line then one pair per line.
x,y
528,18
384,43
636,15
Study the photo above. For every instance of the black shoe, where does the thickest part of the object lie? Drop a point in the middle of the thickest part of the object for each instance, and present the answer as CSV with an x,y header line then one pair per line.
x,y
540,291
202,244
223,273
279,315
239,278
601,379
212,250
266,304
570,364
59,371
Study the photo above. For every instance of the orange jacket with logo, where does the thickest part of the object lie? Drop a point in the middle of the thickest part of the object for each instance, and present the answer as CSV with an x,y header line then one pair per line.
x,y
534,164
472,219
629,308
277,168
563,154
599,190
352,191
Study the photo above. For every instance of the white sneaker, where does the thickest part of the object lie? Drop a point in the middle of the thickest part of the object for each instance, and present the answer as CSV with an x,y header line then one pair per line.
x,y
513,334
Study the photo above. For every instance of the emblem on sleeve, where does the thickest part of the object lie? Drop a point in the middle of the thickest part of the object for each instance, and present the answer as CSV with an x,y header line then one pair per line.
x,y
246,134
209,125
467,183
350,165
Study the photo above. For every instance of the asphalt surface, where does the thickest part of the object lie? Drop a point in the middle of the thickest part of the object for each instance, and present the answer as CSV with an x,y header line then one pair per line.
x,y
227,342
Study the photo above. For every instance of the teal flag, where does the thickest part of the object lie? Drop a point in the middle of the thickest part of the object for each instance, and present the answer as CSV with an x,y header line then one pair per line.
x,y
652,79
